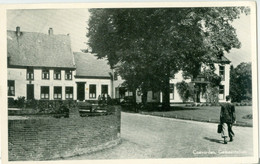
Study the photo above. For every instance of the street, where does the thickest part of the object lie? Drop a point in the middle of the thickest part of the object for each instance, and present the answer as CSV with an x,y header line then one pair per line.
x,y
155,137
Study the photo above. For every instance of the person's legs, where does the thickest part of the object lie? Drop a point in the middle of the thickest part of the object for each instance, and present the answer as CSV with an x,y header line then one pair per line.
x,y
224,132
230,132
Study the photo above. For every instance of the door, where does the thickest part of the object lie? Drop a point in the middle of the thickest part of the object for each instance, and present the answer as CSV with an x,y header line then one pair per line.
x,y
30,91
80,91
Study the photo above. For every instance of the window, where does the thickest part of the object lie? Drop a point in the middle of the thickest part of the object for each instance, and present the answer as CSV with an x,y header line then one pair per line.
x,y
11,88
57,92
172,91
104,90
221,92
69,92
68,75
92,91
45,74
222,72
29,74
57,74
45,92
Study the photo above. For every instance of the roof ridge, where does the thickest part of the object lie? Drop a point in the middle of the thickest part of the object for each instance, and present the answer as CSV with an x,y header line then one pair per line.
x,y
40,33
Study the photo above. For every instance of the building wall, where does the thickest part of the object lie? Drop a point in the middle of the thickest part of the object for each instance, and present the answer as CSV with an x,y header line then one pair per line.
x,y
226,80
98,83
19,76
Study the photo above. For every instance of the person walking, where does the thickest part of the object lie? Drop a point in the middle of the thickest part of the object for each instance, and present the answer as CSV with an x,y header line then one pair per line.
x,y
227,119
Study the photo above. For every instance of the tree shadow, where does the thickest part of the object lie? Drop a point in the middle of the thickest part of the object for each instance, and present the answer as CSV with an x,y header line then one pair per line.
x,y
214,140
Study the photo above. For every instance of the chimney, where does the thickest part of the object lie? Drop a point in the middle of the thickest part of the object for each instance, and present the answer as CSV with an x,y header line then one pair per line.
x,y
50,31
18,32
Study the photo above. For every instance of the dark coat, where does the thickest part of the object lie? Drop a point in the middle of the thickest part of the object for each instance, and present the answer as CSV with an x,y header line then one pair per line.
x,y
227,114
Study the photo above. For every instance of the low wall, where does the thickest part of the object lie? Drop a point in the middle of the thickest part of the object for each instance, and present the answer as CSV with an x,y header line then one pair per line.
x,y
46,138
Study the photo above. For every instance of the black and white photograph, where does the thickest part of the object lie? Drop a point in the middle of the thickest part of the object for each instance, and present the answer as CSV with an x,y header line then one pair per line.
x,y
151,81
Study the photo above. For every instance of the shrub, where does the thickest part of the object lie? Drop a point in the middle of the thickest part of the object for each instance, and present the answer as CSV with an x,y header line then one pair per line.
x,y
20,102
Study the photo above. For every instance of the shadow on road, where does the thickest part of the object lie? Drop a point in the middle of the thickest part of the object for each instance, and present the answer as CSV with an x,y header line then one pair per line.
x,y
213,140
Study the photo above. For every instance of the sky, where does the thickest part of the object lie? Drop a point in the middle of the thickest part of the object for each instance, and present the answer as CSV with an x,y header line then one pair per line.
x,y
74,23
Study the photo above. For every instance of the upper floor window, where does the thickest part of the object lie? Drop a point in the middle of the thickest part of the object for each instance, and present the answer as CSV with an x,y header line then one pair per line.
x,y
11,88
45,92
222,72
45,74
57,74
29,74
68,74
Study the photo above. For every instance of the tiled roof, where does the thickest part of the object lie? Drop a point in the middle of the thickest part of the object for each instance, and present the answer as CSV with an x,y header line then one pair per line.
x,y
87,65
39,50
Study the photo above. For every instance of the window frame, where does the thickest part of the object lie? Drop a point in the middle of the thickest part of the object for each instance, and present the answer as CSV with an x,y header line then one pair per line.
x,y
56,87
55,73
222,72
9,89
47,72
171,91
45,97
223,90
102,89
29,73
70,73
71,95
90,93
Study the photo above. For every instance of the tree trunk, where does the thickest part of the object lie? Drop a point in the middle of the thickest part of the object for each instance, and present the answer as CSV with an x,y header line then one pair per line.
x,y
134,99
166,93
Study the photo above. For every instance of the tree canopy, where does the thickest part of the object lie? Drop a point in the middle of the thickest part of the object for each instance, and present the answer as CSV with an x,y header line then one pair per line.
x,y
241,82
149,45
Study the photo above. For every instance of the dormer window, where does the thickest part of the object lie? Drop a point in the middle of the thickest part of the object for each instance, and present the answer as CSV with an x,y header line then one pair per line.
x,y
45,74
57,74
30,74
68,74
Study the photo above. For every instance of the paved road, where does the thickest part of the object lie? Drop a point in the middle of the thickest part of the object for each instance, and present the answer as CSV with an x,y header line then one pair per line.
x,y
155,137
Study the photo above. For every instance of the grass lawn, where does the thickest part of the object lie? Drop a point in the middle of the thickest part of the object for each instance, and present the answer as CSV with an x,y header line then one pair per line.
x,y
205,113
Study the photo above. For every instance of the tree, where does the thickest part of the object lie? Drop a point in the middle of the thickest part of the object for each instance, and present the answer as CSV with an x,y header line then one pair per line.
x,y
156,43
241,82
185,90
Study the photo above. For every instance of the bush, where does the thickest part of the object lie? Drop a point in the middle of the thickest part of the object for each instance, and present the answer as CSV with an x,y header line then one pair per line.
x,y
21,102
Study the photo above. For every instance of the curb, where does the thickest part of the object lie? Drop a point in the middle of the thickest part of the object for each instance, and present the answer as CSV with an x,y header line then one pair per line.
x,y
89,150
191,120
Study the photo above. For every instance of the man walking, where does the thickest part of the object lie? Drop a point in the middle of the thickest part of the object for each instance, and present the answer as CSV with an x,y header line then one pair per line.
x,y
227,118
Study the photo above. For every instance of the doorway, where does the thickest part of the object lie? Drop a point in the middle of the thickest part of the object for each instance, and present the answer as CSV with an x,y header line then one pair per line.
x,y
30,91
81,91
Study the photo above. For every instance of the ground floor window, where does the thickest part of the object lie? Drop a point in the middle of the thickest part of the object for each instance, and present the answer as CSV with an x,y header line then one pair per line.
x,y
69,92
92,91
45,92
104,90
57,92
221,92
172,91
11,88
